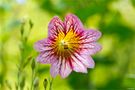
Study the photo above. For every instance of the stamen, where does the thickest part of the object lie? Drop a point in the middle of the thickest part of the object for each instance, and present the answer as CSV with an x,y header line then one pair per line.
x,y
64,44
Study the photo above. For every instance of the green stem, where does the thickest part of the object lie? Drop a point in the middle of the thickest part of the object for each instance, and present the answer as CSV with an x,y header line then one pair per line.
x,y
32,79
51,83
21,61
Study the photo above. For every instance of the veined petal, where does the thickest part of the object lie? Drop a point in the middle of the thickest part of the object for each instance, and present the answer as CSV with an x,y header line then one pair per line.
x,y
90,36
77,65
42,45
91,48
85,59
55,27
46,57
55,68
42,59
65,69
72,22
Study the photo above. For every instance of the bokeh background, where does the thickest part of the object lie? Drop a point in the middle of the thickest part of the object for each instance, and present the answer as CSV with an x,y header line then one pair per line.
x,y
23,22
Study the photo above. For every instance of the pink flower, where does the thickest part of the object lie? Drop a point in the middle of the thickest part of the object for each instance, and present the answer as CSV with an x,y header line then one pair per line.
x,y
68,47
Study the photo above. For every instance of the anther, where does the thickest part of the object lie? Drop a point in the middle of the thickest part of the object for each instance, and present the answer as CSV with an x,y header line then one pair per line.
x,y
64,44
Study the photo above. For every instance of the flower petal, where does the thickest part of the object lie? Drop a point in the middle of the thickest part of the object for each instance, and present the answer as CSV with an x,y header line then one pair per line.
x,y
55,26
46,57
77,65
55,68
90,36
73,22
42,45
42,59
91,48
65,69
97,48
85,59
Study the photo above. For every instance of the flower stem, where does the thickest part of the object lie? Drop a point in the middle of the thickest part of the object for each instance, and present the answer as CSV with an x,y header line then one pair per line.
x,y
32,79
51,83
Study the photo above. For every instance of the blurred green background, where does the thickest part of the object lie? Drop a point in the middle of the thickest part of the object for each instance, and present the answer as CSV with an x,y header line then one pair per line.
x,y
23,22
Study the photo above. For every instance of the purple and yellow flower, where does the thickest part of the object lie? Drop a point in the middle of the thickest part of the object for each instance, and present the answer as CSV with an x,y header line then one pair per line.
x,y
68,47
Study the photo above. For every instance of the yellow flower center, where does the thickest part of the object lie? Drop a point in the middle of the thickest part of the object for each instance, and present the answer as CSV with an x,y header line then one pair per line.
x,y
66,43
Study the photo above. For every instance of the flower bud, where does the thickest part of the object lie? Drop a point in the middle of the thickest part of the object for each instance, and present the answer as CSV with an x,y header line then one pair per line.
x,y
31,24
36,82
45,83
33,64
22,83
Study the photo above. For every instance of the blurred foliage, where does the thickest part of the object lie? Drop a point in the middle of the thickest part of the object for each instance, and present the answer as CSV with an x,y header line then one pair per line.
x,y
115,64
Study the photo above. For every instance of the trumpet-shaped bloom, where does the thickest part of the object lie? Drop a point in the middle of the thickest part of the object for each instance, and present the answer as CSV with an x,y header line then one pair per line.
x,y
68,47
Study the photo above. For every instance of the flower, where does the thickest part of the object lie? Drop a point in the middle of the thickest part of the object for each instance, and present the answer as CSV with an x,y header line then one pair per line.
x,y
68,47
